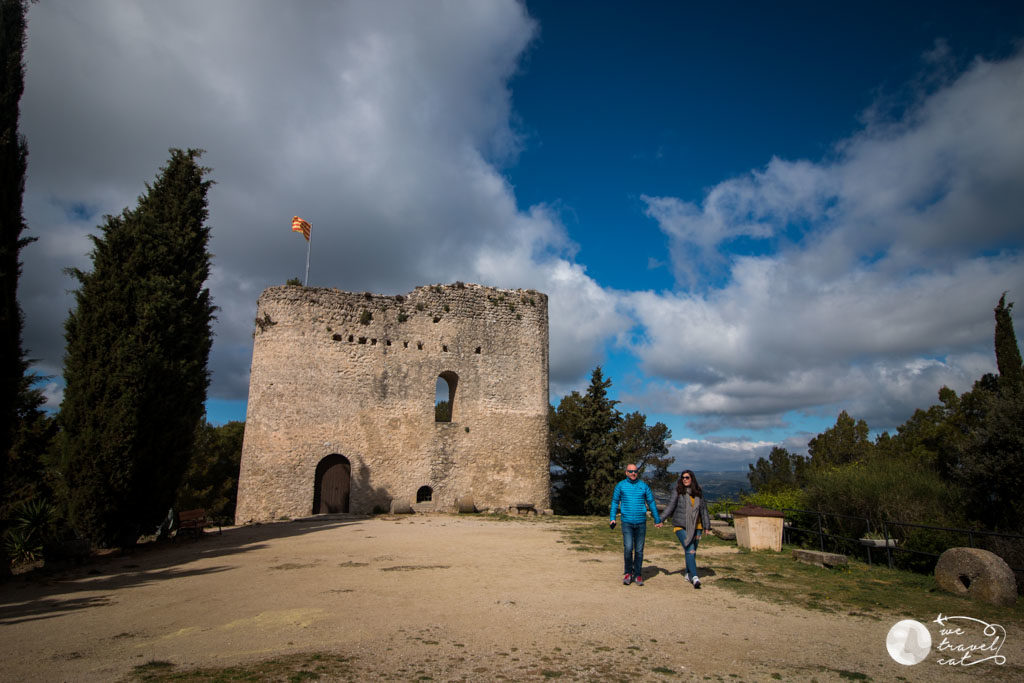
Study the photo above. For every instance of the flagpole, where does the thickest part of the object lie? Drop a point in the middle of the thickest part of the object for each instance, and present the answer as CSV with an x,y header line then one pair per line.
x,y
308,243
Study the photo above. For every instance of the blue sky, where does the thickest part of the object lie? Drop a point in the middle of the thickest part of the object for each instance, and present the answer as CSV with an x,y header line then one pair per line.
x,y
752,215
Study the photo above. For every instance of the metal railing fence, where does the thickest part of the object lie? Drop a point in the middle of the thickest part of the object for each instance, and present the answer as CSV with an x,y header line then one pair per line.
x,y
852,533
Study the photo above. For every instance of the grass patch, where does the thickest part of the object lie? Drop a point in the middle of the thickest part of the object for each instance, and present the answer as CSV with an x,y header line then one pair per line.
x,y
874,592
310,666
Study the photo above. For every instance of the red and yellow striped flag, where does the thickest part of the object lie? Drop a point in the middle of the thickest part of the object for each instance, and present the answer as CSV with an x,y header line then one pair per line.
x,y
299,225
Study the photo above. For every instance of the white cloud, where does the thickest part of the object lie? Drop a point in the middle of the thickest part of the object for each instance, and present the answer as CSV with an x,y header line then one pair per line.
x,y
387,125
883,266
717,454
383,124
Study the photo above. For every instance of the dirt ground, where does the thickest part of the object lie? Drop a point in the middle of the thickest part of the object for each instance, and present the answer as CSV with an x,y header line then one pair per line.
x,y
430,597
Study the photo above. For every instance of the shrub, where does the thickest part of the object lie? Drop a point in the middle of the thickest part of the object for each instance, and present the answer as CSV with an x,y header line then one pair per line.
x,y
33,526
775,500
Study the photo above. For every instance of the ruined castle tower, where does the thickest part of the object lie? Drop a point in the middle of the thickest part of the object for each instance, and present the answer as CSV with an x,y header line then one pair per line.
x,y
341,414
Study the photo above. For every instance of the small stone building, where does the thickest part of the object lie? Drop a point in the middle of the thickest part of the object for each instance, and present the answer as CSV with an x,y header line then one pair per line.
x,y
342,394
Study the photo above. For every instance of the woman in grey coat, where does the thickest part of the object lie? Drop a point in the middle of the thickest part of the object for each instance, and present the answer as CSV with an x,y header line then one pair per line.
x,y
689,514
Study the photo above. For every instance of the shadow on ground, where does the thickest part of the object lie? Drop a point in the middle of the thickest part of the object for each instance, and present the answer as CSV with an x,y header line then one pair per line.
x,y
29,596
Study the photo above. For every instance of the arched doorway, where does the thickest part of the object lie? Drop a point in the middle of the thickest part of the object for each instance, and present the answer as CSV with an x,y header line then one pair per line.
x,y
331,484
425,494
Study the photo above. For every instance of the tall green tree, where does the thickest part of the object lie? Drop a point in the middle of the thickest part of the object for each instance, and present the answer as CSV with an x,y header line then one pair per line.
x,y
590,444
843,443
1007,352
985,454
138,343
780,470
647,447
568,458
605,463
13,160
585,449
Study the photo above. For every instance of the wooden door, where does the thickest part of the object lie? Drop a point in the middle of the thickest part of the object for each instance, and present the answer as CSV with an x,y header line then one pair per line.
x,y
334,474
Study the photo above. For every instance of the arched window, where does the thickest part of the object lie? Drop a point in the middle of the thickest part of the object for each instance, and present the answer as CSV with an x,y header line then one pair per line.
x,y
444,396
425,494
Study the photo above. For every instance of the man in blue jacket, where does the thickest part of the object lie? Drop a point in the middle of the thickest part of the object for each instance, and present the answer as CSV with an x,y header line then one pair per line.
x,y
635,497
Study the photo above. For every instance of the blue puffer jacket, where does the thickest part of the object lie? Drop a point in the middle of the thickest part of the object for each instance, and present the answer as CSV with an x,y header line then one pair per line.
x,y
635,497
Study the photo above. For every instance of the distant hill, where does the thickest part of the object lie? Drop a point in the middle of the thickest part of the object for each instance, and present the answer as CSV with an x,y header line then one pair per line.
x,y
723,485
716,486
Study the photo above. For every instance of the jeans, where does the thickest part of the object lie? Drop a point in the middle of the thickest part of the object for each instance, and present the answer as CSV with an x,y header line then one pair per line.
x,y
690,551
633,536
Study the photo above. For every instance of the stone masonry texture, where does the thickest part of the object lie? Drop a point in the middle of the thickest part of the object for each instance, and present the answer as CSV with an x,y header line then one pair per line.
x,y
354,374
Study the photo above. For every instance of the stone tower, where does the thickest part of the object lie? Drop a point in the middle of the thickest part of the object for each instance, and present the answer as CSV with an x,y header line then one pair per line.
x,y
341,414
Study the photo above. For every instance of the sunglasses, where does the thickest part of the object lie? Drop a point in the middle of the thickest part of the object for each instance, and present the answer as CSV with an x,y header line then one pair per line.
x,y
632,471
686,477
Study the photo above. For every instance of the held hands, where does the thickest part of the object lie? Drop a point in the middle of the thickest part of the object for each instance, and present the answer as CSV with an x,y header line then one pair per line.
x,y
611,524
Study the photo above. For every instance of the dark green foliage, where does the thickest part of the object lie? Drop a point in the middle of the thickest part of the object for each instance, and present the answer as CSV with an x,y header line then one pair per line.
x,y
988,459
1007,353
33,526
137,348
443,411
781,470
211,480
600,443
882,488
27,476
13,161
959,463
294,282
591,443
846,442
643,445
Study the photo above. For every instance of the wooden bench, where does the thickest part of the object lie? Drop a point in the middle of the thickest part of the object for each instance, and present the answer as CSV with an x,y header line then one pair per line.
x,y
193,522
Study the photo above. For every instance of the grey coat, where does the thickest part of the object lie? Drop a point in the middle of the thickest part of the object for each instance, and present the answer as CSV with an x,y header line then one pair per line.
x,y
685,516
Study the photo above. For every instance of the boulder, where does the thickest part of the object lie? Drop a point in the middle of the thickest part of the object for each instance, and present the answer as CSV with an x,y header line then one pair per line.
x,y
465,505
976,574
820,558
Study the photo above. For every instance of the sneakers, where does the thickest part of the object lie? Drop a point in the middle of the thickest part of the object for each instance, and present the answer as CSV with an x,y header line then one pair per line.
x,y
639,580
627,579
688,579
696,582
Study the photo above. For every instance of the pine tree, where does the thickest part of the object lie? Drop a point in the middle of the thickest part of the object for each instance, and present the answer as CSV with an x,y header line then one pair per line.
x,y
645,447
13,159
600,445
138,343
846,442
1007,353
591,443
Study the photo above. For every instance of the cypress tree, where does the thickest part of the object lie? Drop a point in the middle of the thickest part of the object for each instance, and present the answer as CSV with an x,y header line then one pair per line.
x,y
1007,353
138,343
13,159
15,395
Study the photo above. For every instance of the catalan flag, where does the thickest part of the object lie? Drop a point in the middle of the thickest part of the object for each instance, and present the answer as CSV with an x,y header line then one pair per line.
x,y
299,225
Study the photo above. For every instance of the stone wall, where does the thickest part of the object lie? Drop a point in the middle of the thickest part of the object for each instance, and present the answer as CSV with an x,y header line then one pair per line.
x,y
354,374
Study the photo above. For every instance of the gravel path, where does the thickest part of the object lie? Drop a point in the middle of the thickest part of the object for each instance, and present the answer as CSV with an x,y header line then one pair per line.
x,y
429,597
